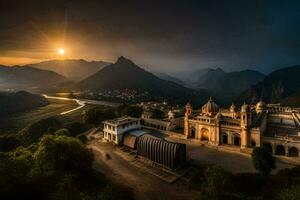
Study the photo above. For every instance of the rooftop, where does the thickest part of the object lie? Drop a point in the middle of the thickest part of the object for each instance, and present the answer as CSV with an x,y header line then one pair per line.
x,y
121,120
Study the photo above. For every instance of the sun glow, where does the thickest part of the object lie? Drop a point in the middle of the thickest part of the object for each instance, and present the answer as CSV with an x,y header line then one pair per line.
x,y
61,51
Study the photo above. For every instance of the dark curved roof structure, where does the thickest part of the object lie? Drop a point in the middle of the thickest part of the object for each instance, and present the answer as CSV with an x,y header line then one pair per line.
x,y
163,152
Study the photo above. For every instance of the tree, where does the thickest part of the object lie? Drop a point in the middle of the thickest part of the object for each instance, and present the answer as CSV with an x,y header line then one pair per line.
x,y
290,193
35,131
77,128
133,111
263,160
97,115
63,154
217,182
82,138
62,131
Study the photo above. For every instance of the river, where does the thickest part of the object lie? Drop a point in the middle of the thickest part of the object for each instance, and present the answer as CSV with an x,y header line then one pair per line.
x,y
81,102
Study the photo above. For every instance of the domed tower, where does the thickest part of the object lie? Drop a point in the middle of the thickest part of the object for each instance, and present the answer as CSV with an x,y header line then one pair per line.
x,y
188,113
210,107
245,109
260,106
233,110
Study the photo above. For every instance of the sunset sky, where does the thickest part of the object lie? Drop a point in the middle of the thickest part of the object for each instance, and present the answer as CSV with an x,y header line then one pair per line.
x,y
162,35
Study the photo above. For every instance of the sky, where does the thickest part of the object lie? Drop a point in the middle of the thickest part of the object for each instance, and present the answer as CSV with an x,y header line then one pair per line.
x,y
168,36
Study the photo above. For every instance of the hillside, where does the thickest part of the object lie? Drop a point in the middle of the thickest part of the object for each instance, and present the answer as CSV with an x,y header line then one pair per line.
x,y
125,75
12,102
28,78
281,86
70,68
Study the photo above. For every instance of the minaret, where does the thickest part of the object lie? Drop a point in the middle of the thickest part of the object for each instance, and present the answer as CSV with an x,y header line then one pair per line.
x,y
244,125
188,113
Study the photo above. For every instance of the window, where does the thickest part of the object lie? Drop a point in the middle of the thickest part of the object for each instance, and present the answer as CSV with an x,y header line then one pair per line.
x,y
114,137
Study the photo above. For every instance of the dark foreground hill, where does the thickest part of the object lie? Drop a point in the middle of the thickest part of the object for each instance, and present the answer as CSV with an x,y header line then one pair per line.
x,y
71,68
281,86
125,75
12,102
28,78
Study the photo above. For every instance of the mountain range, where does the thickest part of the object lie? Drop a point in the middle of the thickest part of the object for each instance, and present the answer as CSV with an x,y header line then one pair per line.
x,y
280,86
28,78
74,70
248,85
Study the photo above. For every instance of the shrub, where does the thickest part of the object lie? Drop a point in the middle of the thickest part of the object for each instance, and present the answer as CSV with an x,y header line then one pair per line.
x,y
263,160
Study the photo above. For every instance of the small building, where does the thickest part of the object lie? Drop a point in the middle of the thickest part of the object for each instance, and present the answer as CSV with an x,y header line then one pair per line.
x,y
115,129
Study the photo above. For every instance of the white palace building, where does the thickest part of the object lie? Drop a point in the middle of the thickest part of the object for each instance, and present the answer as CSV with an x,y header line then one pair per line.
x,y
270,125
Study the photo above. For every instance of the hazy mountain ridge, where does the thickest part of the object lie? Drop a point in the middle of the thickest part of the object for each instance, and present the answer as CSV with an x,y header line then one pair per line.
x,y
168,77
72,68
124,74
28,78
280,86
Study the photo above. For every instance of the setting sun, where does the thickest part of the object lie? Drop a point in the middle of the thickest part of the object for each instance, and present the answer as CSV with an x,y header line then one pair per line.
x,y
61,51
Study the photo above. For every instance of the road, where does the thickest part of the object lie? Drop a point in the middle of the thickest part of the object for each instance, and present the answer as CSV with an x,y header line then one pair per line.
x,y
81,103
144,185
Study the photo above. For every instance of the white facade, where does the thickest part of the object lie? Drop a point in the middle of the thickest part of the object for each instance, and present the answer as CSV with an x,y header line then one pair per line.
x,y
114,129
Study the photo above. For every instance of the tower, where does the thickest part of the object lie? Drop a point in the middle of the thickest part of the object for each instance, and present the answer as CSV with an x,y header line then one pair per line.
x,y
188,113
244,125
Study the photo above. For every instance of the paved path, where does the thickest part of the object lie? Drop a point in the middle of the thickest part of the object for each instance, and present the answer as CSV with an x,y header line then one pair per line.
x,y
145,186
232,161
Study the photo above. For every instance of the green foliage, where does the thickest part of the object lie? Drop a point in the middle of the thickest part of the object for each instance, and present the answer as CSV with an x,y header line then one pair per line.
x,y
82,138
217,182
263,160
62,131
96,115
64,154
35,131
77,128
157,114
290,193
8,143
132,111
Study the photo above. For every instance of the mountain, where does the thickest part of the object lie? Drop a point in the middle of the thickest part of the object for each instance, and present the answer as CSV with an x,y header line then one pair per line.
x,y
190,78
72,69
229,83
280,86
12,102
28,78
167,77
125,75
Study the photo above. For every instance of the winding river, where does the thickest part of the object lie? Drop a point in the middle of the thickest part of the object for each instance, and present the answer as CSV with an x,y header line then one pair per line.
x,y
81,102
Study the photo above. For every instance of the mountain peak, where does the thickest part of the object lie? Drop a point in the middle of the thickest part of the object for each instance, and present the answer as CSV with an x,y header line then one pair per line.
x,y
123,60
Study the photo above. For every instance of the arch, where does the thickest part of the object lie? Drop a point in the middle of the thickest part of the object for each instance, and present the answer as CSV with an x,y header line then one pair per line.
x,y
204,134
253,143
268,146
293,152
193,133
237,140
280,150
224,138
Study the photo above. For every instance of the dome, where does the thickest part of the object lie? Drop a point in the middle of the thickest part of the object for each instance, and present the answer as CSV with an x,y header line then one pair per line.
x,y
232,108
260,106
210,107
245,108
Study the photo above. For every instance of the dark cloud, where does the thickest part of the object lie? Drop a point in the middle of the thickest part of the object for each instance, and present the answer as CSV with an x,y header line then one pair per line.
x,y
161,35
